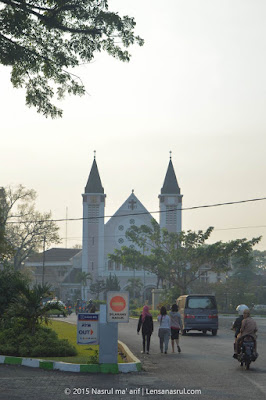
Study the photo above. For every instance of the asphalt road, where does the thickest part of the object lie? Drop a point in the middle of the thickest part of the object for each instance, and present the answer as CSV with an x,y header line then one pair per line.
x,y
205,364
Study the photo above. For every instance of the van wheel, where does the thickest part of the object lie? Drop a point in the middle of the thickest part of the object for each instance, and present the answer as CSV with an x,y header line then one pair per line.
x,y
183,332
214,332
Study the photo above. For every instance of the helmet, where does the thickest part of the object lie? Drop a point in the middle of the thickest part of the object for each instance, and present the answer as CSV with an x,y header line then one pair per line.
x,y
240,309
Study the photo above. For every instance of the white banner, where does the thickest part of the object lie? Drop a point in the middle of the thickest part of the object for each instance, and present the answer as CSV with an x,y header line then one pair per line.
x,y
87,328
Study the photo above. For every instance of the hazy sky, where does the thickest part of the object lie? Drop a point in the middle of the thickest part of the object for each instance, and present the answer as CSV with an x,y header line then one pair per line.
x,y
197,87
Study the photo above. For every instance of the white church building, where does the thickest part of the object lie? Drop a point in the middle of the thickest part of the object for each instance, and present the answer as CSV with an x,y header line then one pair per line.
x,y
101,239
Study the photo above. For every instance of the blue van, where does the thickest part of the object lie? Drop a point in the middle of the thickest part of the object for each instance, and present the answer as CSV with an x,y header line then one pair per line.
x,y
198,312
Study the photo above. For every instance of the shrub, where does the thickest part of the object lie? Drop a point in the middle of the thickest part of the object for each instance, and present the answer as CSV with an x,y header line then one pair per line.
x,y
138,311
45,343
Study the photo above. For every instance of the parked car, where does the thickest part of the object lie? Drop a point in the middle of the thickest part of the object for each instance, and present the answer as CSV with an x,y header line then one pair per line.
x,y
61,310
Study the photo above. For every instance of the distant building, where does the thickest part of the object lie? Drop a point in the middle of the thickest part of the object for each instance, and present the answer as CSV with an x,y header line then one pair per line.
x,y
101,239
60,268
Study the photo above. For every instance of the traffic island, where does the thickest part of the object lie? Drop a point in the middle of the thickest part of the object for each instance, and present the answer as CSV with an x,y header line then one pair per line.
x,y
133,364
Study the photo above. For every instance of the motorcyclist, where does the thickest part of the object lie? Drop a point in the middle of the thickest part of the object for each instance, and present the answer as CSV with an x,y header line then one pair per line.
x,y
89,306
237,324
248,327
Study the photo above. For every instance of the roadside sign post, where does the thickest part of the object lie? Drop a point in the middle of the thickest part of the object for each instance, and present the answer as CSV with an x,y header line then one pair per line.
x,y
108,333
116,310
87,328
117,307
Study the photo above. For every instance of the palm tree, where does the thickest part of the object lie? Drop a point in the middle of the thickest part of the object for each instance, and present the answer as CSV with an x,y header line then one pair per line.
x,y
111,284
28,305
97,287
83,278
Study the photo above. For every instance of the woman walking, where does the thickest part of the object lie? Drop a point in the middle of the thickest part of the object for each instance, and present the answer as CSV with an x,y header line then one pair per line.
x,y
176,325
146,326
164,329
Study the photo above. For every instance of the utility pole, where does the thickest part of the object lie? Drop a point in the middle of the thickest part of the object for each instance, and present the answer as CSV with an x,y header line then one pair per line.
x,y
43,260
66,225
144,283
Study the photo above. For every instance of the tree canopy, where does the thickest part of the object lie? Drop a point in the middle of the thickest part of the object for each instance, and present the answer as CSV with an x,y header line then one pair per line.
x,y
178,259
25,229
11,284
97,287
43,40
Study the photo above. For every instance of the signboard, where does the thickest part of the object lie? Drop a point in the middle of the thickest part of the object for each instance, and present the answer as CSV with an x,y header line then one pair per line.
x,y
87,328
117,306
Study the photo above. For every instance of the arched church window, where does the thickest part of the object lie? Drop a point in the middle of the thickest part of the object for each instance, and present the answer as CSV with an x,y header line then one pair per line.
x,y
121,228
120,240
132,221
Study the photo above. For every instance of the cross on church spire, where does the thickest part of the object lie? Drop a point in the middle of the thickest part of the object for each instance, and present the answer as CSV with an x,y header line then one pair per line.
x,y
170,154
132,204
94,154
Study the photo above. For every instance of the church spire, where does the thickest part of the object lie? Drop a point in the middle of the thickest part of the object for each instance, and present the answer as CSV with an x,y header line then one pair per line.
x,y
94,184
170,185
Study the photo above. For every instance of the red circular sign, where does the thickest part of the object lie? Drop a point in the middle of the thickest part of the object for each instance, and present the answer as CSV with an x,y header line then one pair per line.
x,y
117,303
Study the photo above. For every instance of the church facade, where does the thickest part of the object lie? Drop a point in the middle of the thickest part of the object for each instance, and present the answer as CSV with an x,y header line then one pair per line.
x,y
101,239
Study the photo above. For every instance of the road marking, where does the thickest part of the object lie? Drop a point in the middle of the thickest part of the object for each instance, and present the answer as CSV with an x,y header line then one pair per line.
x,y
262,388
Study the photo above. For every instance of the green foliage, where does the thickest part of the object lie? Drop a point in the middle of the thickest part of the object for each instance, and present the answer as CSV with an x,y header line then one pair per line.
x,y
43,40
16,340
6,249
11,284
169,296
83,277
259,260
56,312
137,311
177,258
97,287
112,284
97,303
28,305
134,287
94,359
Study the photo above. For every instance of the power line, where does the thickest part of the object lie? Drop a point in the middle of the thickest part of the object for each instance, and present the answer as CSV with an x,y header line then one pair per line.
x,y
123,236
143,212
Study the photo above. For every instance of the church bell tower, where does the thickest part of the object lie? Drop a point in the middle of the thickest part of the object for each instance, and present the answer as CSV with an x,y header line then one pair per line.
x,y
171,202
93,225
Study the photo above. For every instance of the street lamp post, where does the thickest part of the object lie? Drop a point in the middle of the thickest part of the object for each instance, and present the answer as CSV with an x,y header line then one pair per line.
x,y
43,261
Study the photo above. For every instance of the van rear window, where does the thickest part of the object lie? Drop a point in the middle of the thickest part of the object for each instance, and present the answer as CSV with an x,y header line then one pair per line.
x,y
201,302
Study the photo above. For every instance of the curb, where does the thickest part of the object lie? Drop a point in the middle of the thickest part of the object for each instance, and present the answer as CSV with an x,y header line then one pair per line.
x,y
133,366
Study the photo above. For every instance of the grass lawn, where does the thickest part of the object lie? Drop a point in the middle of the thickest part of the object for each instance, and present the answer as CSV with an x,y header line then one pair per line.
x,y
87,354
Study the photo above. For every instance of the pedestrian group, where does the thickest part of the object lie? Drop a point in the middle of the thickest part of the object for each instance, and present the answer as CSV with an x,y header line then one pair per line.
x,y
170,325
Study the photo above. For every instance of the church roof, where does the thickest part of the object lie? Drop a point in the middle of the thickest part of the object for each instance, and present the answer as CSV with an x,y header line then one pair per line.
x,y
170,185
94,184
132,206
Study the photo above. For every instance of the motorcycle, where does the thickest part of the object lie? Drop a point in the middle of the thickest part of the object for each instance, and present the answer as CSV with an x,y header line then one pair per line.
x,y
247,354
